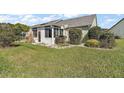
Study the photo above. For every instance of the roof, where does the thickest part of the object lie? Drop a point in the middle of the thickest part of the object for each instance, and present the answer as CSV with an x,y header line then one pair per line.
x,y
79,21
73,22
116,23
47,24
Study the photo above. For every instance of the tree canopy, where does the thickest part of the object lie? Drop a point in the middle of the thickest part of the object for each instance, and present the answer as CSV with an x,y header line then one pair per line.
x,y
11,32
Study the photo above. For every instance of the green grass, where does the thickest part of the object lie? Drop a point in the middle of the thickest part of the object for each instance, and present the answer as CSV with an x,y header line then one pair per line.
x,y
35,61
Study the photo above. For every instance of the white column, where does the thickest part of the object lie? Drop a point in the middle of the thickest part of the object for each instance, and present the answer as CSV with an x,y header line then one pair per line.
x,y
53,39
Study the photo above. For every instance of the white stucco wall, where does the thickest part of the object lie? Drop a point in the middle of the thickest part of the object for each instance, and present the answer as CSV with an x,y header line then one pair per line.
x,y
66,33
94,22
118,29
44,40
84,33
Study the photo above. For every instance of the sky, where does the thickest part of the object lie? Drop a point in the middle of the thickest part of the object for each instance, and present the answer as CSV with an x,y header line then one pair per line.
x,y
104,20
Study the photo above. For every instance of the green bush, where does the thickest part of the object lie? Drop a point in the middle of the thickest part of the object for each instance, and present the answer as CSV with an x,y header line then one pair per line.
x,y
107,40
6,38
117,37
60,39
92,43
75,36
94,32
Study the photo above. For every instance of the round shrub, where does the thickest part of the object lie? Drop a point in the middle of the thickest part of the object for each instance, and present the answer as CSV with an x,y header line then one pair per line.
x,y
92,43
75,36
94,32
107,40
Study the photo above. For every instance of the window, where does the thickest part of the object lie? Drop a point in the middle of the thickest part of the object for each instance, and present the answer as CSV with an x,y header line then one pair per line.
x,y
55,32
61,32
58,32
34,32
48,32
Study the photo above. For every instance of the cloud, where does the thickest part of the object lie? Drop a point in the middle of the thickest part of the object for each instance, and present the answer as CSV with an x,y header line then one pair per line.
x,y
31,19
7,18
25,19
49,18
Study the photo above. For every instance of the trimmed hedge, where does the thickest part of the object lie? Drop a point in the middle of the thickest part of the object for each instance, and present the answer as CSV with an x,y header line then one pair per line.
x,y
75,36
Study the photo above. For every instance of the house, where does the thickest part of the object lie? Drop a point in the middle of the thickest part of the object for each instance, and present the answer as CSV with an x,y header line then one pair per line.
x,y
45,33
118,29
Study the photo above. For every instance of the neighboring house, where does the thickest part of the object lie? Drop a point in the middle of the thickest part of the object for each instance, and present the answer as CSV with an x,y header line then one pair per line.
x,y
46,33
118,29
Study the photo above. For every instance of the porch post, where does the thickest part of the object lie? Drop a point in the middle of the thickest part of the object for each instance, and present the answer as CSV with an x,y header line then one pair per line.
x,y
53,41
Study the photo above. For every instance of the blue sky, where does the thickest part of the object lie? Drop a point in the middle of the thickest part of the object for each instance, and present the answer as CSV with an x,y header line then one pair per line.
x,y
104,20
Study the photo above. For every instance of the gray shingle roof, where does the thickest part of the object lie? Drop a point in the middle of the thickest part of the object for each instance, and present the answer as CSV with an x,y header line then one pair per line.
x,y
74,22
79,21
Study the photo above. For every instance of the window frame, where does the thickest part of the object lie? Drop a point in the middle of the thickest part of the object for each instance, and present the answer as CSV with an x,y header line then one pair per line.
x,y
48,32
35,35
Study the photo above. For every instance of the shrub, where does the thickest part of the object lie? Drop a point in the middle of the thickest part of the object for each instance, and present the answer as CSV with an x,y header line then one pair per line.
x,y
6,38
60,39
94,32
117,37
75,36
92,43
107,40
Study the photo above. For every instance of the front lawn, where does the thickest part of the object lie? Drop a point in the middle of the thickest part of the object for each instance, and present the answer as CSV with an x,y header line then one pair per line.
x,y
35,61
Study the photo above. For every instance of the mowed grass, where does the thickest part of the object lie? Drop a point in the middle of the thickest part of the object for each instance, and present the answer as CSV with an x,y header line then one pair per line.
x,y
33,61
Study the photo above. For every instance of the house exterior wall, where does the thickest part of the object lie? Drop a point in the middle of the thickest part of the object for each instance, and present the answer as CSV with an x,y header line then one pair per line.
x,y
118,30
94,22
44,40
51,41
84,33
66,33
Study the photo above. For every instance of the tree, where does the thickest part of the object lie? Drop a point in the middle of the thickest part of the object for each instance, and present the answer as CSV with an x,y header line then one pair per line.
x,y
11,32
6,38
21,29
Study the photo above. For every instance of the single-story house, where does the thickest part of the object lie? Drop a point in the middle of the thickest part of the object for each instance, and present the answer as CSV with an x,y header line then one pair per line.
x,y
45,33
118,29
